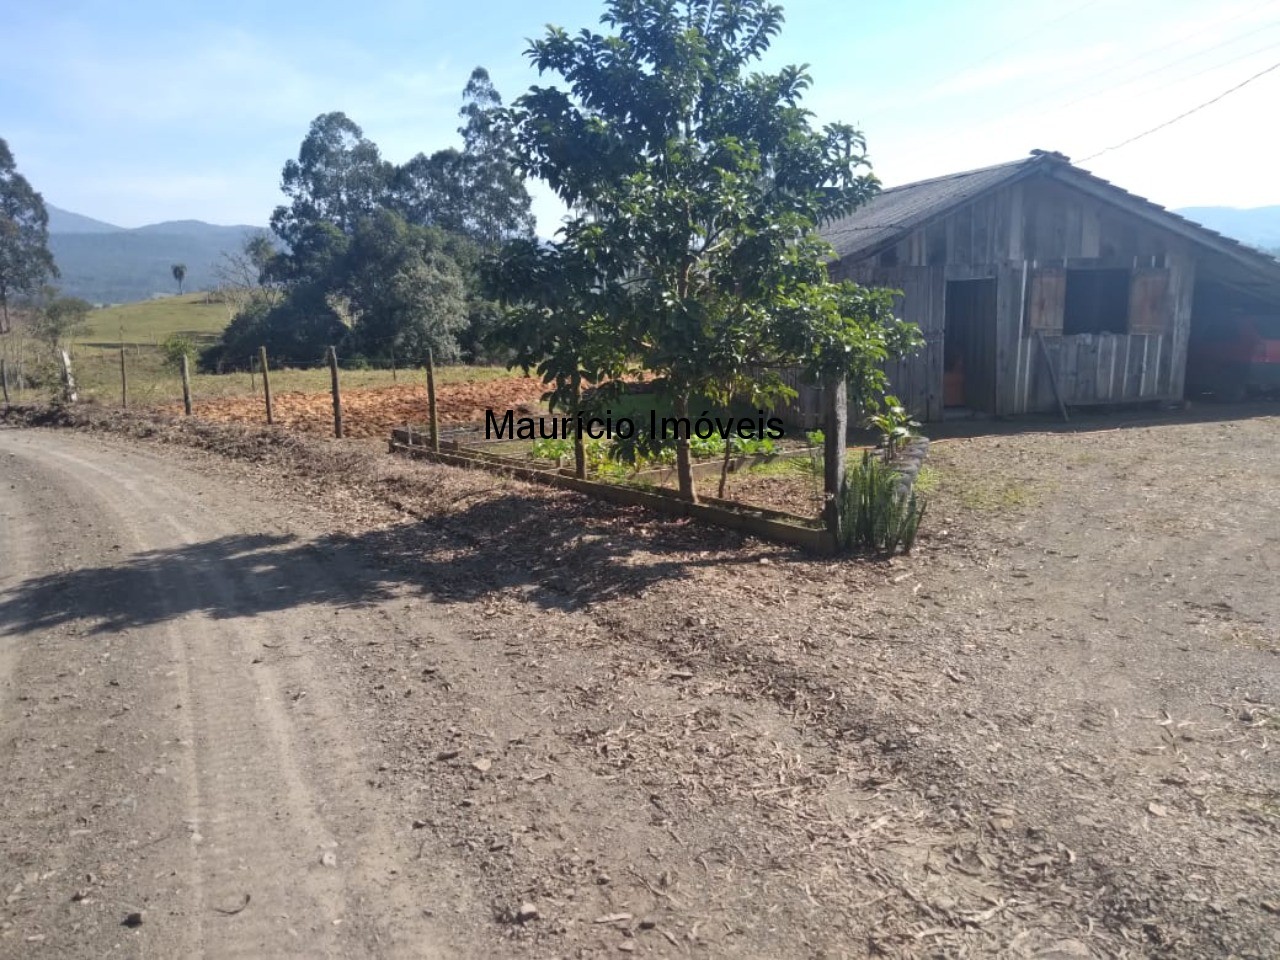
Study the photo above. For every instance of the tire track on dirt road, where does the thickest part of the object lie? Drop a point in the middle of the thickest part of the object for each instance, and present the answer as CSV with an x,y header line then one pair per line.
x,y
227,770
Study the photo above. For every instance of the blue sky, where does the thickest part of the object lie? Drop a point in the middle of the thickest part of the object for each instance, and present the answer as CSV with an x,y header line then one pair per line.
x,y
139,112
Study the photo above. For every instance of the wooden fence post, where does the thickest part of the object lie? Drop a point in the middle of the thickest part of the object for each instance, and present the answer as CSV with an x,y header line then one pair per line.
x,y
337,392
68,379
124,382
186,385
431,401
266,384
393,366
253,377
4,379
835,430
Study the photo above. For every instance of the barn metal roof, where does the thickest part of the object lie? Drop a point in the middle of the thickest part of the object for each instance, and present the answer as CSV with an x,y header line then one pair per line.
x,y
895,212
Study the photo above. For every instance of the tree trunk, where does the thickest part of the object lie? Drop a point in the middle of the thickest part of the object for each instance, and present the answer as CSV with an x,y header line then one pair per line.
x,y
684,458
4,313
724,467
835,429
579,444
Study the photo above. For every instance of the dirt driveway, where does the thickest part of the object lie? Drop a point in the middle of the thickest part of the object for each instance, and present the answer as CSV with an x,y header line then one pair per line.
x,y
408,711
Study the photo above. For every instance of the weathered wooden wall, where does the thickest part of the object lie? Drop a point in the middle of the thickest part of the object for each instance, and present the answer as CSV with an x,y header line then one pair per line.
x,y
1027,235
1092,369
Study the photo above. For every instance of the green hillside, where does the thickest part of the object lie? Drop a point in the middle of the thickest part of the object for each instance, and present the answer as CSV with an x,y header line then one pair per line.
x,y
150,321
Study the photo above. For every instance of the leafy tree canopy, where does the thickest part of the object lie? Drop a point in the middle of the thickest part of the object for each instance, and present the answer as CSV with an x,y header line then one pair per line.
x,y
338,178
476,191
25,260
390,254
60,319
405,290
698,187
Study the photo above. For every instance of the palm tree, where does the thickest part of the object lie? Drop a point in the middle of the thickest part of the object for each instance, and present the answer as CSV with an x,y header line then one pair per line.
x,y
179,274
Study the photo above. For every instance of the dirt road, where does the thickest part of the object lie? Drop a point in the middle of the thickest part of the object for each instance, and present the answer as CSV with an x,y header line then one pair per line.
x,y
525,724
167,748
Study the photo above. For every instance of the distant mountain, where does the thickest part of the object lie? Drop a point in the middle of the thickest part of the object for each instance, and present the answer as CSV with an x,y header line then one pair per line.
x,y
1257,226
108,264
64,221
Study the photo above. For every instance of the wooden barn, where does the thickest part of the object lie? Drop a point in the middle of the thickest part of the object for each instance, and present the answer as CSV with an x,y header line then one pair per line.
x,y
1036,281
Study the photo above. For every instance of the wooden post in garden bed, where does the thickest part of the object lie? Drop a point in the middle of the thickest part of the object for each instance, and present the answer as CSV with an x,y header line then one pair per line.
x,y
124,382
432,413
835,429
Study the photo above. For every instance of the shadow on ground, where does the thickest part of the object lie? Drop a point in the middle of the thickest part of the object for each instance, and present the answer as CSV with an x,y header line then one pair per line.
x,y
1098,418
568,560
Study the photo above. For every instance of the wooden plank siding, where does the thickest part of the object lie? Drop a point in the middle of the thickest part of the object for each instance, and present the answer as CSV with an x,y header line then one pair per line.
x,y
1028,235
1093,369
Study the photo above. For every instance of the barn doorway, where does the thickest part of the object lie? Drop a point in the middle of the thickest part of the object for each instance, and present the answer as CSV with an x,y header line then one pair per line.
x,y
969,345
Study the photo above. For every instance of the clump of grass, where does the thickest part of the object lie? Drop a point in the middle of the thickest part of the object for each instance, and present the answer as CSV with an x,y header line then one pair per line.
x,y
876,515
989,493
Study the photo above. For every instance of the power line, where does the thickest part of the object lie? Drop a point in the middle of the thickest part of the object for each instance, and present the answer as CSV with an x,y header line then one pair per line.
x,y
1044,100
1111,90
1182,116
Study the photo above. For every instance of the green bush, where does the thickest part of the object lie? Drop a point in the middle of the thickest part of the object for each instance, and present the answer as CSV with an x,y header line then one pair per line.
x,y
175,347
550,449
875,516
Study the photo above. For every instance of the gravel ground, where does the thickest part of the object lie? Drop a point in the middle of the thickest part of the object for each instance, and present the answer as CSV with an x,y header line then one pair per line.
x,y
1047,733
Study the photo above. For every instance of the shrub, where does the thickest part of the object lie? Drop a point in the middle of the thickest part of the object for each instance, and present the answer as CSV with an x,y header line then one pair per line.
x,y
895,425
876,515
550,449
175,347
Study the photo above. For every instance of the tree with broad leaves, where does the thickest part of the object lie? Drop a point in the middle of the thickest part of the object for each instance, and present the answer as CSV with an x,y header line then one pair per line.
x,y
698,187
179,271
406,292
25,260
556,324
60,319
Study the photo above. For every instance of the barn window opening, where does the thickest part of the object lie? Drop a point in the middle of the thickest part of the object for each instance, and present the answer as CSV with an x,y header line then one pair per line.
x,y
1097,301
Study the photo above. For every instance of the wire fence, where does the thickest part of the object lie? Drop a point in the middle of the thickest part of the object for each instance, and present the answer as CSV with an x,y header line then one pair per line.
x,y
302,392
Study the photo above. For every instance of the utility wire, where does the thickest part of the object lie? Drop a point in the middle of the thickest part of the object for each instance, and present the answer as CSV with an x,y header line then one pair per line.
x,y
1111,90
1183,116
1007,116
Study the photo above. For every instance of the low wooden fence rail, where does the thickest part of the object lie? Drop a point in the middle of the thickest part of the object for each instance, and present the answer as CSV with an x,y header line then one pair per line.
x,y
774,525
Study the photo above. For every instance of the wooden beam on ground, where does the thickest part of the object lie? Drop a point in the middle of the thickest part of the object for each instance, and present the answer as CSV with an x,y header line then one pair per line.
x,y
1053,376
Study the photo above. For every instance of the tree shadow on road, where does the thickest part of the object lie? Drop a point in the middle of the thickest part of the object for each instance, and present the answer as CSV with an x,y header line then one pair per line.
x,y
558,551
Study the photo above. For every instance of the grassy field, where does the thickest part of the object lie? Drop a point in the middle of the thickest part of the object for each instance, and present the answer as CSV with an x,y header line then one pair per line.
x,y
148,322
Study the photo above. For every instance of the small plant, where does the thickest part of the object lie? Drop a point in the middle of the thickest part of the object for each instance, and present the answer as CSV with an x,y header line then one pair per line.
x,y
876,515
705,449
895,425
550,449
753,446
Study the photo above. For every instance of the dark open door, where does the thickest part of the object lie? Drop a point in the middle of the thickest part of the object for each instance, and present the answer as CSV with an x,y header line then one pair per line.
x,y
970,343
